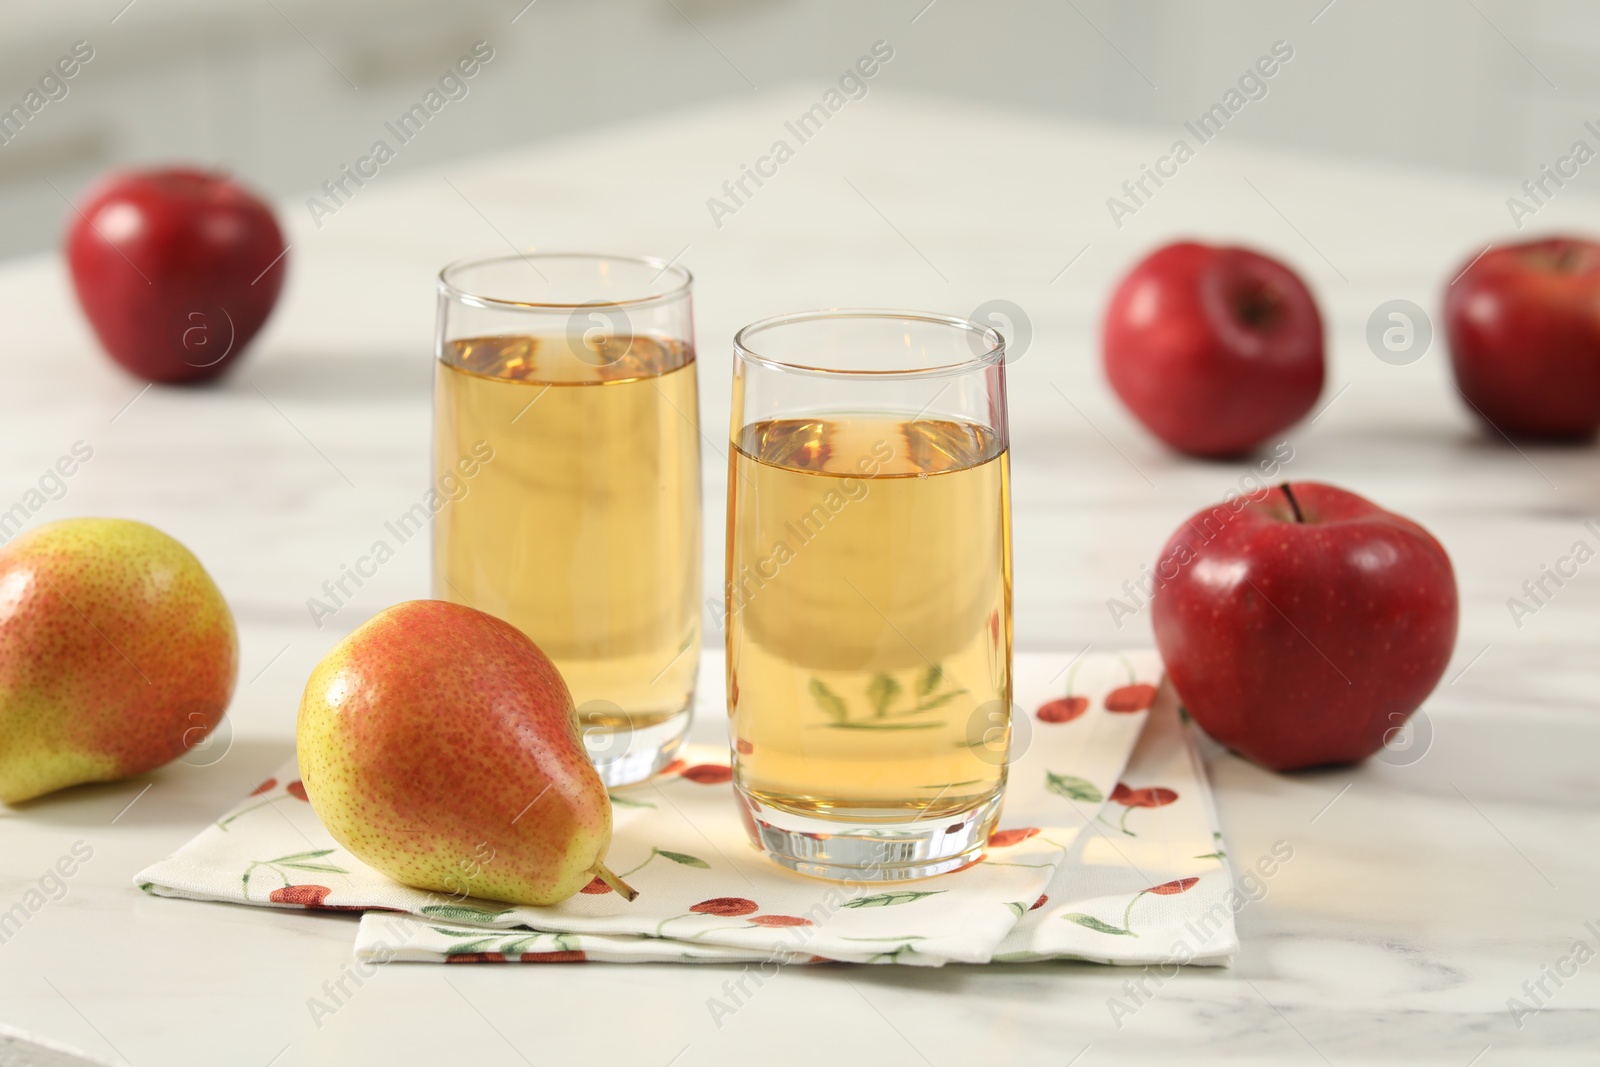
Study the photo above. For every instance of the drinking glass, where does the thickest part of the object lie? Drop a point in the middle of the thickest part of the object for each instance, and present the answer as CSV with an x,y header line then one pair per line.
x,y
567,481
868,597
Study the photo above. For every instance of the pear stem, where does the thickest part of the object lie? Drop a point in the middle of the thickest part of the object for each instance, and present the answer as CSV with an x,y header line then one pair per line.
x,y
623,889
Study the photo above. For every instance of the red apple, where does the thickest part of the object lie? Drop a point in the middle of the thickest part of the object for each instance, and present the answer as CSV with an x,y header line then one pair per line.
x,y
1524,328
1302,625
1215,350
176,269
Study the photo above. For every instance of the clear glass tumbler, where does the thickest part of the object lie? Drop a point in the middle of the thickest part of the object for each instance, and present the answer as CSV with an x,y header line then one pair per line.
x,y
868,599
567,480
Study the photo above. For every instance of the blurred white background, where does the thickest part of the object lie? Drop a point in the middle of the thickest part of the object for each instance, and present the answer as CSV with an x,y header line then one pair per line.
x,y
281,92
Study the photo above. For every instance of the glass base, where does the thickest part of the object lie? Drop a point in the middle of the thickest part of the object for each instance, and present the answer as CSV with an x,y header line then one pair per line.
x,y
625,755
863,850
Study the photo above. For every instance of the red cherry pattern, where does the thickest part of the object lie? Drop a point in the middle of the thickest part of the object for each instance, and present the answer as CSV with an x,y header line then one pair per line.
x,y
733,907
1044,898
729,906
744,747
1062,709
1150,796
1007,838
309,896
1177,885
1157,796
674,767
709,773
1165,889
296,789
558,956
1131,698
596,886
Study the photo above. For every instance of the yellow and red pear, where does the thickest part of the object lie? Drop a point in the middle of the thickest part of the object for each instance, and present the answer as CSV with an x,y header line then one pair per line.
x,y
440,746
117,654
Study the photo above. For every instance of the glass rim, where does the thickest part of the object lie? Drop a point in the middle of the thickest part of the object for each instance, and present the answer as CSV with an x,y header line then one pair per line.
x,y
449,288
993,354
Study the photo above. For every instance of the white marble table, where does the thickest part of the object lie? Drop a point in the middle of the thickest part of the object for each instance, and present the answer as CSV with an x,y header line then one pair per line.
x,y
1422,895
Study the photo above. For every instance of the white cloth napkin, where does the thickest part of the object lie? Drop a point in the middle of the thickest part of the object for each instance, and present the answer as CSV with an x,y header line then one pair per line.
x,y
1064,850
1148,883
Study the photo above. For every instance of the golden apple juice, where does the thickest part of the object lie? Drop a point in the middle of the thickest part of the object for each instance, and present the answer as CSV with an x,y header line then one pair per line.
x,y
583,529
869,632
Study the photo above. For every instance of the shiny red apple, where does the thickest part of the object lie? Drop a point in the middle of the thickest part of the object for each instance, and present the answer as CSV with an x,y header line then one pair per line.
x,y
1304,624
176,269
1523,322
1215,349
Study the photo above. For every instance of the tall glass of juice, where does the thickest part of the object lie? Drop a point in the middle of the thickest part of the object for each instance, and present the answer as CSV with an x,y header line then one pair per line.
x,y
868,590
566,418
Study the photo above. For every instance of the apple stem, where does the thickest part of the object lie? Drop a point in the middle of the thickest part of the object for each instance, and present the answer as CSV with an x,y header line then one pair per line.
x,y
1294,505
623,889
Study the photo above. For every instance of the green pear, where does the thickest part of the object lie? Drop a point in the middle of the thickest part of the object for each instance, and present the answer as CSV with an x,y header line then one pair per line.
x,y
117,654
440,746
